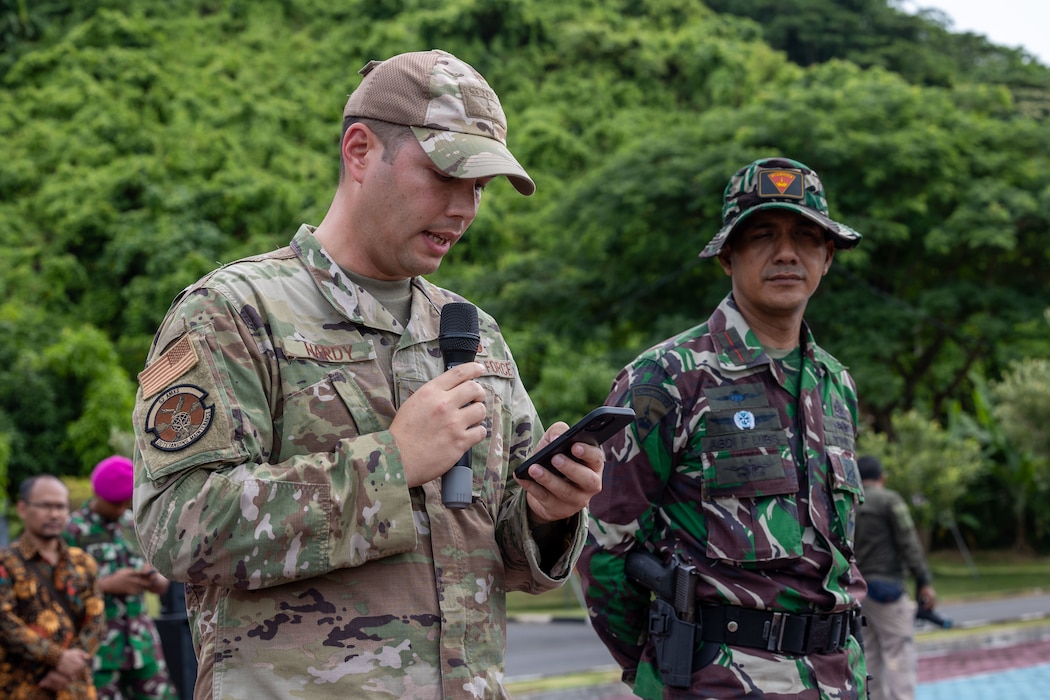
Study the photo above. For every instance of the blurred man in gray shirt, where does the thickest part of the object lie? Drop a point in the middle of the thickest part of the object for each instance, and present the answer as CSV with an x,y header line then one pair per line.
x,y
887,549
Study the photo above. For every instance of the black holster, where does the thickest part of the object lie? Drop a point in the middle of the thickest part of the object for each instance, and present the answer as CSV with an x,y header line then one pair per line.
x,y
674,640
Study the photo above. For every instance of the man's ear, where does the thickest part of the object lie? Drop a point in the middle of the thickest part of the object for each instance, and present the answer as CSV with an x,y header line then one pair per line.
x,y
357,142
725,260
830,244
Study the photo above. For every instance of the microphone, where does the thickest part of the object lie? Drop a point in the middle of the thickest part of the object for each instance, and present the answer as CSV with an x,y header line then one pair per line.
x,y
458,340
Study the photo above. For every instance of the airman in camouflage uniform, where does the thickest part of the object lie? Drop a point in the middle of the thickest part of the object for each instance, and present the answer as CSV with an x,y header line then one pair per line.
x,y
295,417
130,661
742,463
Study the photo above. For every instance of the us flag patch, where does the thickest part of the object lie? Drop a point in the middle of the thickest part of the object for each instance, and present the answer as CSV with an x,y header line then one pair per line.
x,y
175,362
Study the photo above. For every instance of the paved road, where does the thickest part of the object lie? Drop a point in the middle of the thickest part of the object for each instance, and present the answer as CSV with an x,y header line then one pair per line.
x,y
556,648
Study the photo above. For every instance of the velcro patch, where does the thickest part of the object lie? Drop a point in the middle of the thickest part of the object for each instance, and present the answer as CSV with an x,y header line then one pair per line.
x,y
736,396
347,352
480,101
651,403
179,417
749,468
175,362
728,422
781,183
744,440
499,368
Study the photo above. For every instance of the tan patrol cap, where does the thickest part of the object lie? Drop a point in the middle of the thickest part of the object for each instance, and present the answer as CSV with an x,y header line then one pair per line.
x,y
453,112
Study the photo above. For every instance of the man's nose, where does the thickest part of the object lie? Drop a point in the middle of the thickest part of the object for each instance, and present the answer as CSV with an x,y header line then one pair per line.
x,y
785,248
465,199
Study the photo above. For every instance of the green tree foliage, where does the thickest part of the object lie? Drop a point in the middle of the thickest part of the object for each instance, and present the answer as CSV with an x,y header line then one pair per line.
x,y
920,47
146,142
1012,483
1022,408
952,263
929,466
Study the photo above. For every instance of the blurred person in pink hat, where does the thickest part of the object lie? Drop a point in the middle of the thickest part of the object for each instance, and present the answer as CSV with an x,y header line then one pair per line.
x,y
130,662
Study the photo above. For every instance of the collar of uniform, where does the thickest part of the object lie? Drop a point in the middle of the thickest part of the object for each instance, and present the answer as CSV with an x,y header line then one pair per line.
x,y
729,333
824,359
341,293
363,309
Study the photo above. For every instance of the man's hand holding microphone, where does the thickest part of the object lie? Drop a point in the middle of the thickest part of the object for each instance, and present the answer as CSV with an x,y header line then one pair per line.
x,y
437,426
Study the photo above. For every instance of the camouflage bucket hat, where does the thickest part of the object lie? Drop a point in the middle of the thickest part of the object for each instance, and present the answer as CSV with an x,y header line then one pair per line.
x,y
777,183
453,112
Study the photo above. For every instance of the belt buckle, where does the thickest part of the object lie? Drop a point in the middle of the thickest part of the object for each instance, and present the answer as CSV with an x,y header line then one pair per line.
x,y
775,632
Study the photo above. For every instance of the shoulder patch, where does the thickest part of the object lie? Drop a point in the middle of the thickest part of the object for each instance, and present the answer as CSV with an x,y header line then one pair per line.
x,y
651,403
179,417
172,364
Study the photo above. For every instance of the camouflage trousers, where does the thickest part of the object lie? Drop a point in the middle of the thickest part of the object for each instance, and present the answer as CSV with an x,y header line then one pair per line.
x,y
151,682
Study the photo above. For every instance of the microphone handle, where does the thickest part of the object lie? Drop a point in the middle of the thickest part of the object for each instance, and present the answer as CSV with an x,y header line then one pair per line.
x,y
457,484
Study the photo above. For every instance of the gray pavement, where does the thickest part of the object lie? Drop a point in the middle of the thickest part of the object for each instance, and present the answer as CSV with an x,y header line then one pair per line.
x,y
1000,650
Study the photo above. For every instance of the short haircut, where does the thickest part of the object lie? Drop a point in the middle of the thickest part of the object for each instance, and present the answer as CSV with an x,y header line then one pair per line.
x,y
392,136
25,489
870,468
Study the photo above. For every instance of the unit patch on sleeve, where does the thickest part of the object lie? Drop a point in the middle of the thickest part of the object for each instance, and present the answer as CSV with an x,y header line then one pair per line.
x,y
179,417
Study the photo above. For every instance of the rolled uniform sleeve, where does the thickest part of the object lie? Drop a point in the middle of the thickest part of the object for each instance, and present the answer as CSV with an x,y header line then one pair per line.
x,y
538,564
625,513
531,565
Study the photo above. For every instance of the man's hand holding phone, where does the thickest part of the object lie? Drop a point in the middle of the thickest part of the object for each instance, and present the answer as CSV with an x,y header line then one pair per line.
x,y
566,471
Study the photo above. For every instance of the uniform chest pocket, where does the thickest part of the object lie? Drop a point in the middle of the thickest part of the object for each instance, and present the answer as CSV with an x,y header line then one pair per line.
x,y
488,458
846,489
352,398
750,487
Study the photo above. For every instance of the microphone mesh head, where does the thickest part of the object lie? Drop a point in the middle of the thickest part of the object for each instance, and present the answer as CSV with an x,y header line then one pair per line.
x,y
459,327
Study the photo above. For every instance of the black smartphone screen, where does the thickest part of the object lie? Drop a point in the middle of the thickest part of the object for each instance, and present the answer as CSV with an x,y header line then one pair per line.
x,y
595,428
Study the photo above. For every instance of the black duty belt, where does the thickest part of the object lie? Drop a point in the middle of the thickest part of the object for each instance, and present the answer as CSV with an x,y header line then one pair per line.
x,y
779,632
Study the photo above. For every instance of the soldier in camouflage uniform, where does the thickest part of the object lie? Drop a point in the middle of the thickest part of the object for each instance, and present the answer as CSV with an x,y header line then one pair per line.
x,y
888,550
130,661
295,419
742,465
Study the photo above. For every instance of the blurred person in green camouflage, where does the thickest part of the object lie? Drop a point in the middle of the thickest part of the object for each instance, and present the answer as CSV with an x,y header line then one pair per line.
x,y
130,660
295,418
739,477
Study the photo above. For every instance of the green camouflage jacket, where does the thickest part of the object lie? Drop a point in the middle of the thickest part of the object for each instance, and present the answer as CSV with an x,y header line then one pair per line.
x,y
747,467
268,481
129,638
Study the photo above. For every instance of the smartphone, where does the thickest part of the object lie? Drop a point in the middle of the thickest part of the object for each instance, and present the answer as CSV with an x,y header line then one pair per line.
x,y
595,428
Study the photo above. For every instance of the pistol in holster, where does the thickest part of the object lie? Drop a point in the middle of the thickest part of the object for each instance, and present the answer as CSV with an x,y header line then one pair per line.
x,y
673,625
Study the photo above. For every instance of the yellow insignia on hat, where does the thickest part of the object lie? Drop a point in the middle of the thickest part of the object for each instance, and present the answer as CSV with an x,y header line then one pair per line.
x,y
787,183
